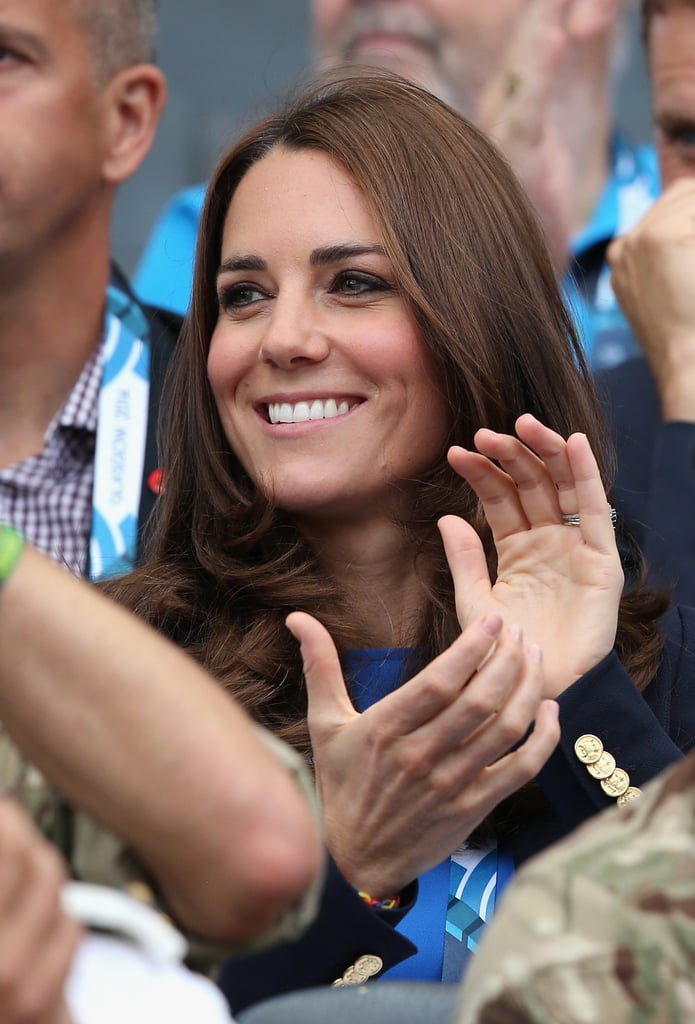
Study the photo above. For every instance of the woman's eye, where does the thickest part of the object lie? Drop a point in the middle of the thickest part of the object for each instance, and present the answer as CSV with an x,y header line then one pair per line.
x,y
237,296
9,56
680,136
348,283
686,138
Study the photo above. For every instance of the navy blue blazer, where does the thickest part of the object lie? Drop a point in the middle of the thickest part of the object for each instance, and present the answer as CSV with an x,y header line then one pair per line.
x,y
654,487
645,732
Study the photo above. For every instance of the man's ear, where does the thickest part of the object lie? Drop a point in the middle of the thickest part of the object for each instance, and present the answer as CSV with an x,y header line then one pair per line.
x,y
589,18
133,103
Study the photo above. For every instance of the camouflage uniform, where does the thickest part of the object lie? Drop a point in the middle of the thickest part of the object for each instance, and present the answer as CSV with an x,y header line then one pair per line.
x,y
96,855
600,929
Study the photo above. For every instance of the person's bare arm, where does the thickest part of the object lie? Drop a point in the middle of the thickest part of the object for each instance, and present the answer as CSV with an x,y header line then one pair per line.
x,y
37,938
653,272
129,728
528,109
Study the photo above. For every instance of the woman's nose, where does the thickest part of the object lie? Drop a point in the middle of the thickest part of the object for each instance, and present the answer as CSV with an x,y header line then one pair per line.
x,y
293,336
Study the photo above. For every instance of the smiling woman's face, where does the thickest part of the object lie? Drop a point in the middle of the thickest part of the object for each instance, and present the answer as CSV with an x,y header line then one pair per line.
x,y
320,376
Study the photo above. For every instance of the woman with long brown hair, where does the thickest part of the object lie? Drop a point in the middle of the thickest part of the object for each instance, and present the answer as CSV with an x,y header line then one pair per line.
x,y
380,416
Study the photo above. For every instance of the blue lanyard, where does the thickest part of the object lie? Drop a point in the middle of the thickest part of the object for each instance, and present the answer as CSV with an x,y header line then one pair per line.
x,y
121,435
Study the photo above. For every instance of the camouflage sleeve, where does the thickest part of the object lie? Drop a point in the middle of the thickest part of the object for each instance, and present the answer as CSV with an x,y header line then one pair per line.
x,y
98,856
601,927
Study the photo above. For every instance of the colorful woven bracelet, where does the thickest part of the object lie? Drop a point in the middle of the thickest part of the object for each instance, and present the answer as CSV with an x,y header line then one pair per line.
x,y
11,547
392,903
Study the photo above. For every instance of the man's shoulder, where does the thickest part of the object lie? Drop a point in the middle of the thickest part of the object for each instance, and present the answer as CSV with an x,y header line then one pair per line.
x,y
165,327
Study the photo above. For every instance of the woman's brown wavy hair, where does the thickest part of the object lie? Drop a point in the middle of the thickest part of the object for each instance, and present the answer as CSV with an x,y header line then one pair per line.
x,y
225,567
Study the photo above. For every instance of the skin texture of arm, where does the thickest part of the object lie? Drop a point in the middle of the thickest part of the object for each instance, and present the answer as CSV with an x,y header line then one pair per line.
x,y
131,730
653,270
37,939
525,108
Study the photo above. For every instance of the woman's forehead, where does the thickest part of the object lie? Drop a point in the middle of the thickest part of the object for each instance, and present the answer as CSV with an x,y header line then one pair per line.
x,y
301,195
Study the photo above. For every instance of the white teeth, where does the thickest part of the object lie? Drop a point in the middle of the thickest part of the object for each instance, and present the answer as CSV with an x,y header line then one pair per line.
x,y
283,412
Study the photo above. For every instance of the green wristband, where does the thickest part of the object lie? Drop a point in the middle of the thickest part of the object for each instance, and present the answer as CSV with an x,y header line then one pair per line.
x,y
11,547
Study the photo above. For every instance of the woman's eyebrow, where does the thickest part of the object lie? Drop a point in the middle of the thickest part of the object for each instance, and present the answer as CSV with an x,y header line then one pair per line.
x,y
318,258
242,261
346,251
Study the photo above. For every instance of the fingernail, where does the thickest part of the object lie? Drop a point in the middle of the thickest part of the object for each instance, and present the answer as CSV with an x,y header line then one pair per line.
x,y
517,633
492,624
535,654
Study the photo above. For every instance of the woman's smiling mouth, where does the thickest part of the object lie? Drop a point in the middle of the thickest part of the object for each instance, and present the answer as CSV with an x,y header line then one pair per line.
x,y
314,409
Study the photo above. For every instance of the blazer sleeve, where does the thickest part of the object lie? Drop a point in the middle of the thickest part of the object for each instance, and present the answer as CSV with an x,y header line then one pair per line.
x,y
654,488
345,930
645,732
669,534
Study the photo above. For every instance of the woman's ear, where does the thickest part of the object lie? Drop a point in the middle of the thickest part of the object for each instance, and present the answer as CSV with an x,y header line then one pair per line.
x,y
587,19
134,100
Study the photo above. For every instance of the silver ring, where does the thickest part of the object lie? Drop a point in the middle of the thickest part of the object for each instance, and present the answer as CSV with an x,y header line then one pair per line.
x,y
574,519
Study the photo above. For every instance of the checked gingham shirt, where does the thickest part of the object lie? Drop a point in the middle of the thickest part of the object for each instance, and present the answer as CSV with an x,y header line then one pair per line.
x,y
48,496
